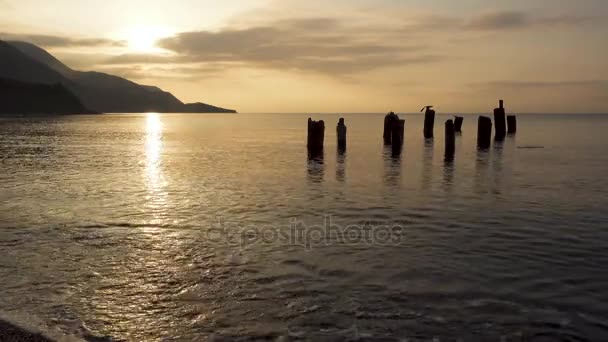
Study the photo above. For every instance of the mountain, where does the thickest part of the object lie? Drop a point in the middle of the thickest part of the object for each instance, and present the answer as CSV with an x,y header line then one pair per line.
x,y
113,94
31,98
42,56
199,107
98,91
28,86
15,64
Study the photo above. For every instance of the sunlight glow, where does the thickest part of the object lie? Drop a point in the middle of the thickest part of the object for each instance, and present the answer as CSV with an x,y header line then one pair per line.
x,y
143,39
153,150
157,195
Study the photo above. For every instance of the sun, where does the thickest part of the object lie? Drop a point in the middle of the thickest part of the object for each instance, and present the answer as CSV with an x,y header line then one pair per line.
x,y
143,39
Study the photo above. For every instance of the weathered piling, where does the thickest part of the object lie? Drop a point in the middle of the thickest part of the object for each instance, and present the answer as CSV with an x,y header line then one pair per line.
x,y
512,124
458,124
484,132
429,121
500,121
316,136
390,120
397,135
341,133
450,139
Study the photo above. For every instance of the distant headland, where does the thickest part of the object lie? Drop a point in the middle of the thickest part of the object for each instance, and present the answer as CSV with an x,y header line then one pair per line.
x,y
32,81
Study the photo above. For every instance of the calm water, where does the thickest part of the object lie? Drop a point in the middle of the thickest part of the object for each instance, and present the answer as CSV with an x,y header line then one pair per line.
x,y
179,227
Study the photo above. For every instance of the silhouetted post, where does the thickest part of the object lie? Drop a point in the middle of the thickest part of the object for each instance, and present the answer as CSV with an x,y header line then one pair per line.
x,y
484,132
386,135
397,134
316,135
500,121
429,121
341,133
450,139
458,124
389,121
512,124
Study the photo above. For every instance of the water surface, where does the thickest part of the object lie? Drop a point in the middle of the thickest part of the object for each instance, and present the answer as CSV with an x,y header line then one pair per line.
x,y
180,227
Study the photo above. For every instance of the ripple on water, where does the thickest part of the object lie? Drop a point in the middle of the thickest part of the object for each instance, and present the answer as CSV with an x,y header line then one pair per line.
x,y
118,236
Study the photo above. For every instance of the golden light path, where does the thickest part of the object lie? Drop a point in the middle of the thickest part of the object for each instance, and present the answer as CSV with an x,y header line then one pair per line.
x,y
157,196
139,275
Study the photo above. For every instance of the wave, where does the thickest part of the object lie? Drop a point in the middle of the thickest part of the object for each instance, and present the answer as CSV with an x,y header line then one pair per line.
x,y
19,327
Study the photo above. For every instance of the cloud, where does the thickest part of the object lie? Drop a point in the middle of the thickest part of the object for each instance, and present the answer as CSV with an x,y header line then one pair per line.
x,y
543,84
139,58
337,46
311,44
190,72
506,20
52,41
310,23
499,21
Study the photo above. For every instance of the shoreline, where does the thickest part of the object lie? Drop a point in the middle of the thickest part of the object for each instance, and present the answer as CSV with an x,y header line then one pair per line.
x,y
12,332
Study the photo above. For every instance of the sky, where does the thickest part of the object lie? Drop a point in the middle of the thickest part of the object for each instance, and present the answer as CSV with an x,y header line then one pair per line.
x,y
336,56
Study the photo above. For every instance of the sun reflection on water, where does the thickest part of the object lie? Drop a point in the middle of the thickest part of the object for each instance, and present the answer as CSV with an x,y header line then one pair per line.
x,y
157,196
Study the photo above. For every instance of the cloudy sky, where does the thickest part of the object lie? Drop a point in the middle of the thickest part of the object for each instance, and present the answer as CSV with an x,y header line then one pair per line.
x,y
336,56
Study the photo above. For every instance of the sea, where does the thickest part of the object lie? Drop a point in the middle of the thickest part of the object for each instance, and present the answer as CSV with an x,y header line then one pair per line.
x,y
212,227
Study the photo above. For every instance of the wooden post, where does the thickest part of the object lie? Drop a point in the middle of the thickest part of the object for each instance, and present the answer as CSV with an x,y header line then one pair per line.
x,y
512,124
450,139
389,121
398,132
429,122
458,124
484,132
316,136
386,133
341,133
500,121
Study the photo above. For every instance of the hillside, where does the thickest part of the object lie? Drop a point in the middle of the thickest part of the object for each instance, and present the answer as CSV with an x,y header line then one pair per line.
x,y
15,64
100,92
31,98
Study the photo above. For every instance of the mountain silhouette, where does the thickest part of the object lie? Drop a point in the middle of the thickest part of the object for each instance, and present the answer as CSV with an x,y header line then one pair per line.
x,y
42,56
98,91
16,65
31,98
